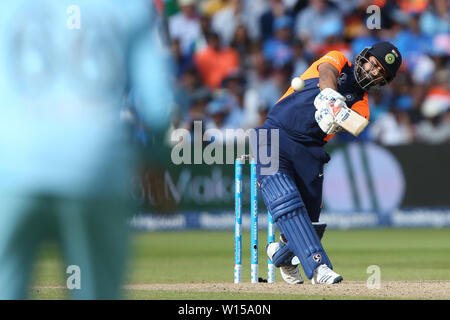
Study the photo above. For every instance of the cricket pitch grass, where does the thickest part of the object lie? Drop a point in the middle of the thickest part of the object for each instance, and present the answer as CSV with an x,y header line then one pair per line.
x,y
198,265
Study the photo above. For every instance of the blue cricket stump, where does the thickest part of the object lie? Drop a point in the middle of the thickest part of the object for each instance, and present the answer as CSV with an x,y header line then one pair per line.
x,y
253,224
270,238
238,220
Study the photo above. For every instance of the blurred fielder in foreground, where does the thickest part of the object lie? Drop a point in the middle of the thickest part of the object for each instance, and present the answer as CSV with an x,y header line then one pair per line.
x,y
330,96
65,164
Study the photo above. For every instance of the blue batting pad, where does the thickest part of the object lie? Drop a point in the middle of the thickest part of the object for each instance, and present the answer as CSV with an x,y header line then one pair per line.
x,y
281,196
303,240
283,257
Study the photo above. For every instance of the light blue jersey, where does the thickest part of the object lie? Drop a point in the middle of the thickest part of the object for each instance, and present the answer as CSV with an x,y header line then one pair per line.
x,y
65,67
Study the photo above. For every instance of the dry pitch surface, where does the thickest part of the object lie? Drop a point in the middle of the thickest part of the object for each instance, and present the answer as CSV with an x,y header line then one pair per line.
x,y
435,290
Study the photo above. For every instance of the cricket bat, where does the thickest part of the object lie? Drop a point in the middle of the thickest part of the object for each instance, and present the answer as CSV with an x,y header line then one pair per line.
x,y
348,119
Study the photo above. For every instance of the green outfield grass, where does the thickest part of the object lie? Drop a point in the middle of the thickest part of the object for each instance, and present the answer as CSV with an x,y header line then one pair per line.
x,y
207,257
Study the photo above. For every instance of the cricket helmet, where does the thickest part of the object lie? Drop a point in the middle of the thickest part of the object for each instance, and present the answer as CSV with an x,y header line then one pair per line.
x,y
387,55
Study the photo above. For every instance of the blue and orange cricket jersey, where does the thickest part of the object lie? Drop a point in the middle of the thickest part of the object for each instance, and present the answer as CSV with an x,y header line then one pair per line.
x,y
294,111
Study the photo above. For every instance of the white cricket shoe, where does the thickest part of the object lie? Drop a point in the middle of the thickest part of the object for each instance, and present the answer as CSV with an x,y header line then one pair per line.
x,y
323,274
290,274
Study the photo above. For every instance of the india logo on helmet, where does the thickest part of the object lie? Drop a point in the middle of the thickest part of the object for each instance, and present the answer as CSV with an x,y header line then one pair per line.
x,y
389,58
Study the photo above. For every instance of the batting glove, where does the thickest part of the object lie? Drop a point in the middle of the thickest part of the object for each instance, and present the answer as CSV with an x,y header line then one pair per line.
x,y
327,95
325,120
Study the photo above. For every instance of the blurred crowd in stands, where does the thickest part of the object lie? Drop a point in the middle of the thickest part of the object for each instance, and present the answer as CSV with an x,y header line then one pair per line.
x,y
234,59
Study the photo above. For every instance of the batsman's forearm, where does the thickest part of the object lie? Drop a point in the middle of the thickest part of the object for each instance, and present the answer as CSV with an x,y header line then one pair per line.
x,y
327,80
328,76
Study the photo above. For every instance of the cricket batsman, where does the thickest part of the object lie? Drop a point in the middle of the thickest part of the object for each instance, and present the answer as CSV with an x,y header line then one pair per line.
x,y
333,96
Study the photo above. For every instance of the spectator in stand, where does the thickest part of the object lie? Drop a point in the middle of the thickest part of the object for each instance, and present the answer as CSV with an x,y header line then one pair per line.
x,y
278,49
260,89
186,85
403,99
412,6
436,110
211,7
185,26
435,129
410,41
301,61
215,62
392,129
234,86
379,104
418,92
262,79
363,38
309,21
282,76
263,111
190,80
225,21
205,27
197,108
333,40
395,127
348,6
182,62
217,112
436,18
298,6
266,21
243,45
